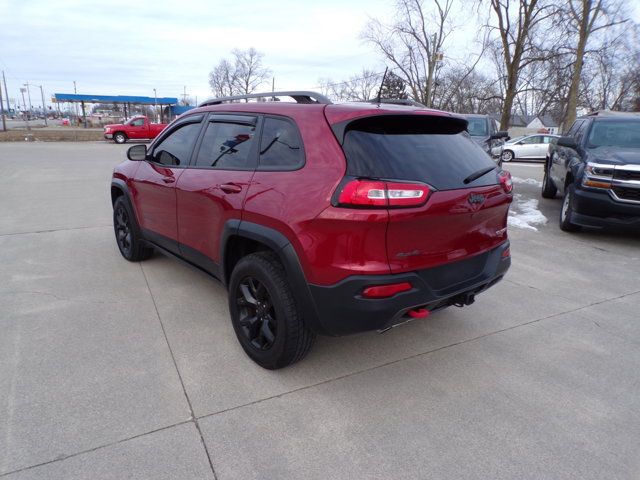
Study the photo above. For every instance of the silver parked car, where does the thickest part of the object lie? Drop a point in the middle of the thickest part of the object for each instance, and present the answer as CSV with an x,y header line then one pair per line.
x,y
528,147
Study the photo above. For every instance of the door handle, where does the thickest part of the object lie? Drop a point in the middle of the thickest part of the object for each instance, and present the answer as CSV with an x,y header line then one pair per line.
x,y
231,188
168,179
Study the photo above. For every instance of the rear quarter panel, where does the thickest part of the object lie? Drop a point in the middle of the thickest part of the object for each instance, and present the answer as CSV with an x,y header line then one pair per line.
x,y
297,204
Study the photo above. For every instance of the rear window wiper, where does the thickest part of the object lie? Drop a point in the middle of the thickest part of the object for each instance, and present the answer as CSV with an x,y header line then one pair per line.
x,y
478,174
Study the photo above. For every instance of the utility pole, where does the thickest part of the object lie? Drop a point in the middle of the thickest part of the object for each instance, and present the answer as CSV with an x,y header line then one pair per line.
x,y
4,81
29,96
184,95
22,90
75,104
44,108
155,104
4,121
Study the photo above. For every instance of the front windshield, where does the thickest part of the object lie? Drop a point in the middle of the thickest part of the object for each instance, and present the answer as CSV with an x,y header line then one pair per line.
x,y
517,139
623,134
477,127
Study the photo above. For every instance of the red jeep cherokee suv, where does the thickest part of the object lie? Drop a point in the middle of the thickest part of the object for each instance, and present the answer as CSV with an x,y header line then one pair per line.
x,y
318,218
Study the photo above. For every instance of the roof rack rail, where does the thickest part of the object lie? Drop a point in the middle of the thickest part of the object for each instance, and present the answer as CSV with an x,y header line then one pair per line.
x,y
298,96
396,101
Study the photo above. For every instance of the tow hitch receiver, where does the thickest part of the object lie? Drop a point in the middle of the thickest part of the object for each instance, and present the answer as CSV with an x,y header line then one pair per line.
x,y
463,299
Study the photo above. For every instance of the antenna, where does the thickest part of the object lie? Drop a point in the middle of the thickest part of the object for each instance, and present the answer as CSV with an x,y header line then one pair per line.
x,y
382,83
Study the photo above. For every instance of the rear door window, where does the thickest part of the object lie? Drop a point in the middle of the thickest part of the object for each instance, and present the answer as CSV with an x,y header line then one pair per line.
x,y
228,144
434,150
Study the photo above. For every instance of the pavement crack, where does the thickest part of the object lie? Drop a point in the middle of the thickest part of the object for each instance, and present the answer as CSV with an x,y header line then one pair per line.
x,y
537,289
33,292
53,230
417,355
63,457
193,417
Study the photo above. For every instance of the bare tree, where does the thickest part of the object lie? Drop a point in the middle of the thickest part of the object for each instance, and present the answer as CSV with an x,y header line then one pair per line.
x,y
610,78
521,36
360,87
241,76
222,79
250,73
413,43
585,17
468,91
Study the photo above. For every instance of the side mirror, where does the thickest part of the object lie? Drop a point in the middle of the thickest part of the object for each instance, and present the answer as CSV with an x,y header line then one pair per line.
x,y
568,142
137,153
501,134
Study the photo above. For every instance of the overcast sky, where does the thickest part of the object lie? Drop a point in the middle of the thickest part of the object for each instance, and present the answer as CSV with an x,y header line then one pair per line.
x,y
132,47
119,47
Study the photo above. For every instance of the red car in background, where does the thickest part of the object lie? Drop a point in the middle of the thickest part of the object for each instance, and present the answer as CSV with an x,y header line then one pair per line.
x,y
138,128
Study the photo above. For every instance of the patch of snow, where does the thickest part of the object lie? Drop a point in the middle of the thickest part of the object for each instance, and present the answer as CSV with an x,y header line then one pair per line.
x,y
525,214
527,181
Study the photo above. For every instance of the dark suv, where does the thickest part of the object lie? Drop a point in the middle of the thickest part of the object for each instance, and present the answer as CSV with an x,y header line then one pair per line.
x,y
596,166
484,130
318,218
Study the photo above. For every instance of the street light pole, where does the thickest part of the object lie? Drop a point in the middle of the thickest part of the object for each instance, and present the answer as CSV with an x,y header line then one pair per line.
x,y
22,90
155,104
44,108
29,96
4,122
75,104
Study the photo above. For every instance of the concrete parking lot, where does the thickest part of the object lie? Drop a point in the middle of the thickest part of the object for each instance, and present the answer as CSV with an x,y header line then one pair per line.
x,y
115,370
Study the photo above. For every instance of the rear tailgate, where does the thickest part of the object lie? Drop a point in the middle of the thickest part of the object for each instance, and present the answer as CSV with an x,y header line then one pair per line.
x,y
461,217
449,227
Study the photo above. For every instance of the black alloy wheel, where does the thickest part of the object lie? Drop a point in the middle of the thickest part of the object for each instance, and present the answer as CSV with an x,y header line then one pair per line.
x,y
264,313
257,316
122,225
130,242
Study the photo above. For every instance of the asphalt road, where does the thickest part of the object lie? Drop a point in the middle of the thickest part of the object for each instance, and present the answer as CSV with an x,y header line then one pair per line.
x,y
114,370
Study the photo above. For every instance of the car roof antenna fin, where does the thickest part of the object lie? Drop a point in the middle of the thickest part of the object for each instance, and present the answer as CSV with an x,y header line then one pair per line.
x,y
382,84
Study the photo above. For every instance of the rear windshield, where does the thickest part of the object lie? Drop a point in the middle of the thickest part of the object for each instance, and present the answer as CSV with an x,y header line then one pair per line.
x,y
436,151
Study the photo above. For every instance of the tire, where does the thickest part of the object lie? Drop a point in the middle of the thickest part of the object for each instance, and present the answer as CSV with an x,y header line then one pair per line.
x,y
549,190
566,211
127,231
506,156
264,314
120,137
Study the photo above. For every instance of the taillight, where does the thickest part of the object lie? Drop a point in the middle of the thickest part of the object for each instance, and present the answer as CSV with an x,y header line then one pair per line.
x,y
505,180
376,193
386,291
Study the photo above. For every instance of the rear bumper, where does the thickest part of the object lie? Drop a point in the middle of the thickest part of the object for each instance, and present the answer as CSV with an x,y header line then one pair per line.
x,y
342,309
598,210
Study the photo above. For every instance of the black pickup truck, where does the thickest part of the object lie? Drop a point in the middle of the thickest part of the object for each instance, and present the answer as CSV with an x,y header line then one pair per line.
x,y
596,167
